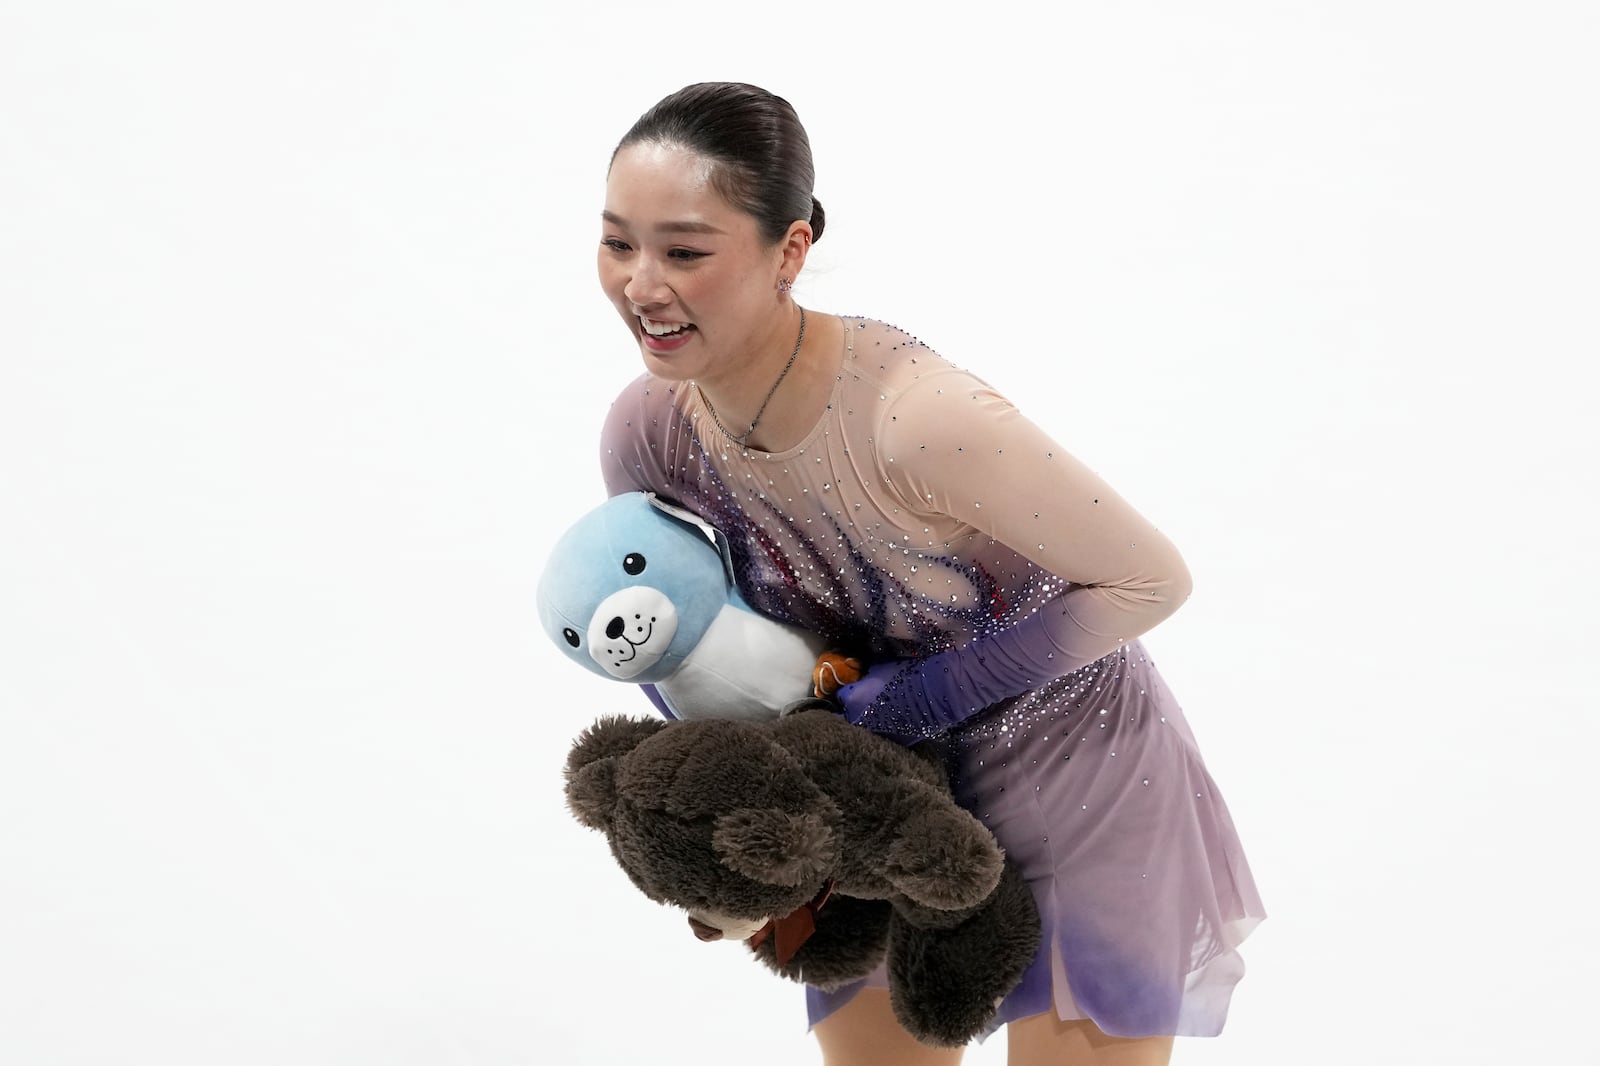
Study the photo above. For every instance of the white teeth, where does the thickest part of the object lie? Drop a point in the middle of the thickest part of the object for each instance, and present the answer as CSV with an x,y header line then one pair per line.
x,y
661,329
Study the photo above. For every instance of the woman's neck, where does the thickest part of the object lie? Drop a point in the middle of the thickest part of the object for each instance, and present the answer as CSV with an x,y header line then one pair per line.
x,y
801,394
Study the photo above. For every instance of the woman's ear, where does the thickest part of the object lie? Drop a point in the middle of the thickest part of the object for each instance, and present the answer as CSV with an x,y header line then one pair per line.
x,y
796,245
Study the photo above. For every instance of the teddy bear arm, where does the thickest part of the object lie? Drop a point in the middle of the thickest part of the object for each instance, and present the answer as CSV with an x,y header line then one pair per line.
x,y
941,857
945,982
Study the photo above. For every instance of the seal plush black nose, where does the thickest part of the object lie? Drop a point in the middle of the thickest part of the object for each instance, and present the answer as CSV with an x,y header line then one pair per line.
x,y
615,627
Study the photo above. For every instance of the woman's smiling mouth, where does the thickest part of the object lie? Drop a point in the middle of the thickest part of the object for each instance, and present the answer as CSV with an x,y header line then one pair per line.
x,y
664,336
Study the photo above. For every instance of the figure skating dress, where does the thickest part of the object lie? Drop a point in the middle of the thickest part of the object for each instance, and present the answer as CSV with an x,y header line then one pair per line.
x,y
924,514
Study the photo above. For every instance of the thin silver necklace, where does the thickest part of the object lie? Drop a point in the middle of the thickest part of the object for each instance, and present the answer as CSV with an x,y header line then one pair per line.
x,y
740,438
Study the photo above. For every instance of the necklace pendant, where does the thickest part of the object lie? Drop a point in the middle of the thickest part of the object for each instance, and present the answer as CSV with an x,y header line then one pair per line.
x,y
740,439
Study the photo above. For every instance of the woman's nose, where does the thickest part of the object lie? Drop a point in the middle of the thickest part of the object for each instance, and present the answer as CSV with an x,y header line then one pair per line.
x,y
646,286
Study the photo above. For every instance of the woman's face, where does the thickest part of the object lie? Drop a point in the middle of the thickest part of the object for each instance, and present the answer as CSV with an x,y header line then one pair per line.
x,y
689,272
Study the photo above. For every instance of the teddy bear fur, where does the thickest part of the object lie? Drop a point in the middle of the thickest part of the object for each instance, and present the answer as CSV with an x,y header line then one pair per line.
x,y
746,821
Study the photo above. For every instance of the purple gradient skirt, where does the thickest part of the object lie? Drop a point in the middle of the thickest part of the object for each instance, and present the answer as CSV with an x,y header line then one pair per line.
x,y
1095,786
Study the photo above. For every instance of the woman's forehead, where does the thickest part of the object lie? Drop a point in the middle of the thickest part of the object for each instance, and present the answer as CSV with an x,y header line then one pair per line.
x,y
652,183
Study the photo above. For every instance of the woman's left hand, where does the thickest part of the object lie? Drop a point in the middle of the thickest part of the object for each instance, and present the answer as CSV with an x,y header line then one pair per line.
x,y
857,698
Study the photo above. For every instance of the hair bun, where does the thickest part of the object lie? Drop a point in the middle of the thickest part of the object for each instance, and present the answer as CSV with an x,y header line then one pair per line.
x,y
818,218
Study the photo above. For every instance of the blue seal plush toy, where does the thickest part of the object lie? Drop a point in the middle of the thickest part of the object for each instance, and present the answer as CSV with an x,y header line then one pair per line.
x,y
642,591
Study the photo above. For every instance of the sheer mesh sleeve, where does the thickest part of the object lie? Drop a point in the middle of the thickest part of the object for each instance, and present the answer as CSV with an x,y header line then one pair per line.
x,y
961,449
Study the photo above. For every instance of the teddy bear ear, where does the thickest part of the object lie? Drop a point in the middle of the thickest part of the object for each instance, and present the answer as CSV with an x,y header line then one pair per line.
x,y
609,737
775,847
592,793
591,771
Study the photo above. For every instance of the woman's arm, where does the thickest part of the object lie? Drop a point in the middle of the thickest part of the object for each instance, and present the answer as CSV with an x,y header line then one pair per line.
x,y
952,445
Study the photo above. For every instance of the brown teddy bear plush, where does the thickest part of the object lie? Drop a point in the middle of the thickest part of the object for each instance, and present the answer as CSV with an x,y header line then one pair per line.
x,y
825,845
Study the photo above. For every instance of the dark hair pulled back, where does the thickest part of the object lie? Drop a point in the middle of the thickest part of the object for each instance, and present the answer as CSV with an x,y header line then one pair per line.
x,y
762,155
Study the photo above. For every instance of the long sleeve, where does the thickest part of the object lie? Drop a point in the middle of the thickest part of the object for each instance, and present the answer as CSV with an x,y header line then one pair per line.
x,y
951,445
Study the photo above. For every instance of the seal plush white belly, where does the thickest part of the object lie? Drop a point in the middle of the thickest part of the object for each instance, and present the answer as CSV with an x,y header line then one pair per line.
x,y
745,666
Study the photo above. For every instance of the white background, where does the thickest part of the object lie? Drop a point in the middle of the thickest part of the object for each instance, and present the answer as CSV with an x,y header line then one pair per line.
x,y
302,363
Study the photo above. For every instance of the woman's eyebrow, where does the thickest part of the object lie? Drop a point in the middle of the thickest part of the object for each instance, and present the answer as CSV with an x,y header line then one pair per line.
x,y
664,227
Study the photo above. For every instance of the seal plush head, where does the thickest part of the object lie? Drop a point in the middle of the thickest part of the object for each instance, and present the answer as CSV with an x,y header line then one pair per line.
x,y
640,590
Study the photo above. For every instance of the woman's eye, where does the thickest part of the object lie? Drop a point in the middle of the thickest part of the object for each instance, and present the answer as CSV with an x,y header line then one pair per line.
x,y
685,255
616,245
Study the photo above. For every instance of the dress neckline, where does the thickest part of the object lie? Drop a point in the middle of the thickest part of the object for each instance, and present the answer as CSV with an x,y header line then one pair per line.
x,y
710,433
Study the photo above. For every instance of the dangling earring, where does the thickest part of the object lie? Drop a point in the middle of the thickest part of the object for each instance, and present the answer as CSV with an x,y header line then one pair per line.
x,y
784,285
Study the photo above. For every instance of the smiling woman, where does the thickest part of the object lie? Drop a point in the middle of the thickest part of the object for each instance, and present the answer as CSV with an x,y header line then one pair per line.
x,y
682,264
908,514
699,247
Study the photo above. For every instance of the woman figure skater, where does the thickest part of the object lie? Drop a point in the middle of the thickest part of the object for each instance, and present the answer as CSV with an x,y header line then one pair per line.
x,y
874,493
